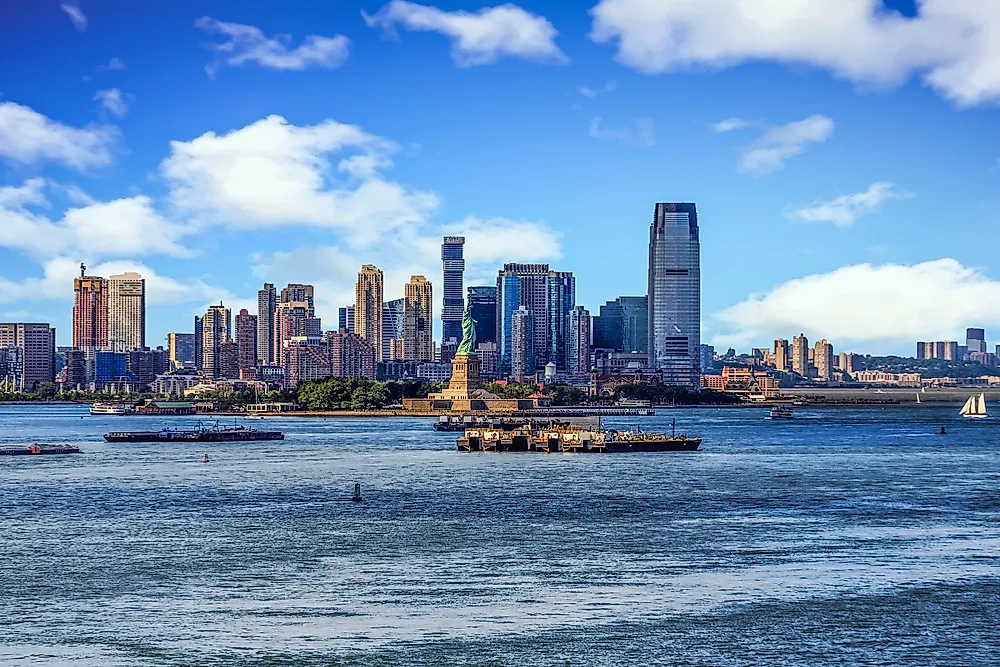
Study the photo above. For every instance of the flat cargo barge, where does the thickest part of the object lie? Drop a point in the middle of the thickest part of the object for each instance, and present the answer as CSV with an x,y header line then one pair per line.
x,y
214,434
38,450
572,439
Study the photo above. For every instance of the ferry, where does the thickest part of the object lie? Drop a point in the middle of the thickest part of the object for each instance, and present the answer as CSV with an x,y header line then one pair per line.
x,y
781,412
567,438
201,434
38,450
119,409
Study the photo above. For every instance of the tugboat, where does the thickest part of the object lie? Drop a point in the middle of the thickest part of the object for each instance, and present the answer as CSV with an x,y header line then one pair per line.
x,y
201,434
781,412
37,450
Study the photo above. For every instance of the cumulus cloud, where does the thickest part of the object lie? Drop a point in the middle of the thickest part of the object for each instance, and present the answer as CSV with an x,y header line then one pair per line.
x,y
76,15
114,101
640,134
843,211
608,87
247,44
874,308
778,143
954,44
478,38
29,137
113,64
730,124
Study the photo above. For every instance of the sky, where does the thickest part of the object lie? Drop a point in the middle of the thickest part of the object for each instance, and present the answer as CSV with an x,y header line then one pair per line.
x,y
844,157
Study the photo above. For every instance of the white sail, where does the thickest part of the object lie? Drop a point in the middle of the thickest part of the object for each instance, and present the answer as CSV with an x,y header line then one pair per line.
x,y
981,406
970,407
975,406
918,398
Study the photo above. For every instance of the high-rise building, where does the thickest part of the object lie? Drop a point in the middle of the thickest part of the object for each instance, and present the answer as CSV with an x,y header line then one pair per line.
x,y
675,294
561,300
823,360
351,355
848,363
707,357
216,330
800,355
267,302
452,291
229,361
368,307
199,356
578,341
418,327
975,340
623,325
298,293
781,355
304,361
35,355
529,283
489,360
109,367
180,349
90,312
942,349
523,348
345,319
147,364
246,344
393,325
397,349
126,312
292,320
483,309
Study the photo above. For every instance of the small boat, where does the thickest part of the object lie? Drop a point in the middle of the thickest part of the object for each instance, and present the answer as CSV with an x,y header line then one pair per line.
x,y
781,412
918,399
36,450
975,407
118,409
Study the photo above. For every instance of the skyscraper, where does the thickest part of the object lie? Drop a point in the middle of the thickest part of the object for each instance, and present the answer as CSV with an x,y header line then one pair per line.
x,y
823,360
623,325
350,355
781,355
675,294
180,349
561,300
126,312
483,308
216,330
523,349
90,312
34,347
453,301
508,301
800,355
578,341
345,319
296,292
393,325
266,303
368,307
975,340
199,356
529,283
292,320
418,327
246,344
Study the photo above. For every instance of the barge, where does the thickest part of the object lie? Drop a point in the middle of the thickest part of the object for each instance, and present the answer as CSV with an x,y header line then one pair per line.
x,y
572,439
201,434
38,450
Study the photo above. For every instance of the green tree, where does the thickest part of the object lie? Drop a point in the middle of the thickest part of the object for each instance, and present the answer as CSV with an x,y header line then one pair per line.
x,y
563,394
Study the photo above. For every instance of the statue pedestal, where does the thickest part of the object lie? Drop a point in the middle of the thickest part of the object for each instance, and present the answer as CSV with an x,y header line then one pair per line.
x,y
465,378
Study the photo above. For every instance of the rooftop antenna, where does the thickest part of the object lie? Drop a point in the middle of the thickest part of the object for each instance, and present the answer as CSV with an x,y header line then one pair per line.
x,y
83,269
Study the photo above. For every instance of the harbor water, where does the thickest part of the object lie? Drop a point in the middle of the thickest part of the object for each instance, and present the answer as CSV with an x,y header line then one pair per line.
x,y
842,536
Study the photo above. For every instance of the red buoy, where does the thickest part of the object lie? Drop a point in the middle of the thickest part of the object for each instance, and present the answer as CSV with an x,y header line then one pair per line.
x,y
205,460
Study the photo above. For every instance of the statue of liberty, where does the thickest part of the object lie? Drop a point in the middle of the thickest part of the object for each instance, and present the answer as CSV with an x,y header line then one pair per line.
x,y
468,344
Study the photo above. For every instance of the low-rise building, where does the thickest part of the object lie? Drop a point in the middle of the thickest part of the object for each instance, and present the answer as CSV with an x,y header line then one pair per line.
x,y
892,379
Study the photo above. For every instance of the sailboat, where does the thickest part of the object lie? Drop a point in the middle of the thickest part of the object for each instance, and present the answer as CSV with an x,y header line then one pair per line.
x,y
975,407
918,399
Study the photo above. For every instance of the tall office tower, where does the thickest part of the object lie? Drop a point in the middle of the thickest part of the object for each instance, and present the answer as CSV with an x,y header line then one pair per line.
x,y
368,307
90,312
216,330
675,294
292,320
707,357
800,355
147,364
397,349
453,301
975,340
246,344
199,357
523,350
393,325
483,308
418,327
823,359
345,319
781,355
267,301
578,341
297,293
845,362
35,355
523,285
351,356
126,312
180,349
623,325
561,300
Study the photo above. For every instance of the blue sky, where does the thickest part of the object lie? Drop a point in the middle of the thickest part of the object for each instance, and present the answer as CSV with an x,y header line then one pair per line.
x,y
844,159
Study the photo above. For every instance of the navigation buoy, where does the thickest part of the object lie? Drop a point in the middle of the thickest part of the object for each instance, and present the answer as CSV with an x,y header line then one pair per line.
x,y
943,431
357,492
205,460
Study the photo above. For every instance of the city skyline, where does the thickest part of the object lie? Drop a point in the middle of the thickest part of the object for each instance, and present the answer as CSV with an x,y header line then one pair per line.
x,y
821,174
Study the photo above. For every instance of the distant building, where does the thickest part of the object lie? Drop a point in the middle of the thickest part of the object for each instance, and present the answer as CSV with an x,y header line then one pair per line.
x,y
623,325
675,294
707,357
432,371
11,369
267,303
229,361
146,365
180,349
483,308
987,359
753,384
561,300
216,329
126,312
36,356
781,356
848,363
881,377
345,319
368,307
946,350
489,360
76,370
90,312
975,340
823,360
109,367
299,293
800,355
397,349
618,363
246,343
292,319
523,285
419,320
523,349
351,355
578,341
393,325
453,301
304,362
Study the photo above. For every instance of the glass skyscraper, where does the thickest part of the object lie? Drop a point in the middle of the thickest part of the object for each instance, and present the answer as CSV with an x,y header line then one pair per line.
x,y
561,300
623,325
452,292
675,294
483,306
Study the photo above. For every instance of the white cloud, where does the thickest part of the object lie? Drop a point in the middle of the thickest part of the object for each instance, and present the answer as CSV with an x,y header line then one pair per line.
x,y
248,44
114,101
955,44
27,136
478,38
730,124
609,87
272,173
868,308
843,211
641,134
76,16
778,143
113,64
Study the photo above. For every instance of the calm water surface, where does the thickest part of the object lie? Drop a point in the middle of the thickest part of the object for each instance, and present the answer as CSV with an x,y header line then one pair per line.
x,y
842,537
